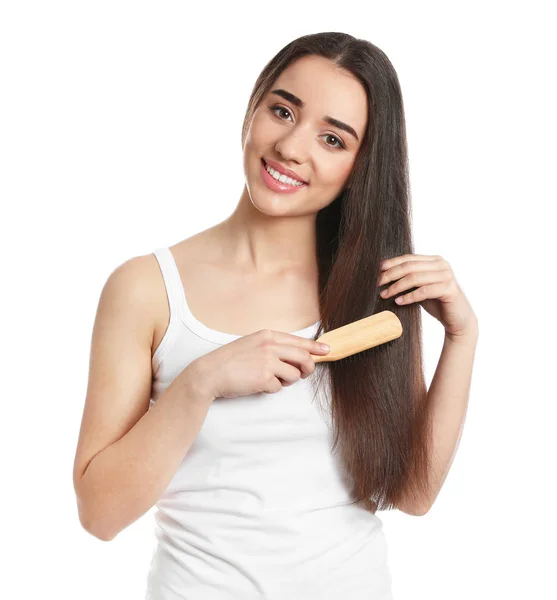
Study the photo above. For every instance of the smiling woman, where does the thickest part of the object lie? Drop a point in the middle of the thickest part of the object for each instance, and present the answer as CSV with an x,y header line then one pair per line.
x,y
258,495
350,146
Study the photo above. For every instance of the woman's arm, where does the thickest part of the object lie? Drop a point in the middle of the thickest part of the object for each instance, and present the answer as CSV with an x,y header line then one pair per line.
x,y
448,398
125,480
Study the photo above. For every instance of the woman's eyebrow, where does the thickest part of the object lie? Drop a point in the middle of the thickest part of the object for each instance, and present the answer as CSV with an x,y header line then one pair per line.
x,y
301,104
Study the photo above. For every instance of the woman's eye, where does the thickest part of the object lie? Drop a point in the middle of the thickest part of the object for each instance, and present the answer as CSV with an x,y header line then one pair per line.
x,y
275,108
338,145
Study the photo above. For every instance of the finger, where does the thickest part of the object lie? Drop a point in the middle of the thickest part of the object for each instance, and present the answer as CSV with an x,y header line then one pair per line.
x,y
408,268
396,260
425,292
312,346
415,280
298,357
287,372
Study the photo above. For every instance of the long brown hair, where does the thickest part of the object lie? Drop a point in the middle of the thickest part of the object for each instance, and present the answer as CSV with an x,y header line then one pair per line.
x,y
379,401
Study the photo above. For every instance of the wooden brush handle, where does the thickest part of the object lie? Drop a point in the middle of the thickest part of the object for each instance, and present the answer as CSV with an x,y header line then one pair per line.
x,y
360,335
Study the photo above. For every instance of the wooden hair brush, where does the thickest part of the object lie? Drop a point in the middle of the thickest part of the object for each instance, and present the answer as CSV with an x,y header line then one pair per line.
x,y
360,335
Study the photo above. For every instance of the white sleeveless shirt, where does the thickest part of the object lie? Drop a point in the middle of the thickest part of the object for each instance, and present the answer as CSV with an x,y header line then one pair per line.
x,y
259,507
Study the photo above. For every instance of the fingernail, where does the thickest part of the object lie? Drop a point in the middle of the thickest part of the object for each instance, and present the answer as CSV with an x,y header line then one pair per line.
x,y
325,347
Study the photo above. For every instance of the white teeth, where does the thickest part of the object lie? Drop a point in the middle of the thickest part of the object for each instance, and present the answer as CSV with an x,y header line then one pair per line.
x,y
282,178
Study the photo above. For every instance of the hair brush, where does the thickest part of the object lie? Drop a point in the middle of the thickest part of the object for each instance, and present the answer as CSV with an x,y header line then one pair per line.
x,y
348,340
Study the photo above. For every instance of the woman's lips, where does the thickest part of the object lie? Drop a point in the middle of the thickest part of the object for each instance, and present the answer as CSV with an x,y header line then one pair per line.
x,y
275,184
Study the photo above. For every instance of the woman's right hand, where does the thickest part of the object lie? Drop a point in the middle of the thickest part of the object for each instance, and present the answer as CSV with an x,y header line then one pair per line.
x,y
263,361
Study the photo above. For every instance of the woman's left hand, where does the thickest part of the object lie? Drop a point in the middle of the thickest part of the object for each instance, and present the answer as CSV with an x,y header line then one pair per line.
x,y
436,290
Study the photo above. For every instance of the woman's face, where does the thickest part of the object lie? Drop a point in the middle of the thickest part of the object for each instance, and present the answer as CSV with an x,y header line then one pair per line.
x,y
300,139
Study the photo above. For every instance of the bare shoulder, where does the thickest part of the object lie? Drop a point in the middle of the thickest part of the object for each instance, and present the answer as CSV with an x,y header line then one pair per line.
x,y
139,286
138,281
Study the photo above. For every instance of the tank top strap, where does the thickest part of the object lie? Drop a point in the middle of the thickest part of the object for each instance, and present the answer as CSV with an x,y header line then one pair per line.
x,y
172,282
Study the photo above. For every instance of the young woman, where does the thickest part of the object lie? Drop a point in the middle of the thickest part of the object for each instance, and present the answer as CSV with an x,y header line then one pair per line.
x,y
202,388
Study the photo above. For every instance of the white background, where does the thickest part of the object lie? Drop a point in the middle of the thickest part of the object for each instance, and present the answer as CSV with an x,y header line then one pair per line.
x,y
114,117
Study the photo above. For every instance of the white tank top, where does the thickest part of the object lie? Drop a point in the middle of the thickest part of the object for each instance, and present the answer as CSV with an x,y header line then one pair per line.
x,y
259,507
